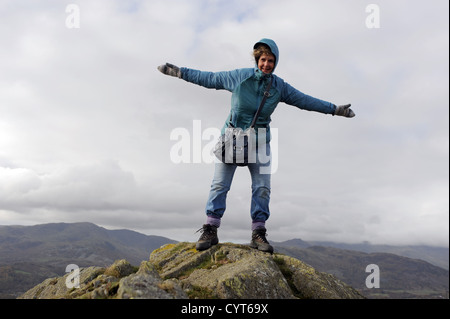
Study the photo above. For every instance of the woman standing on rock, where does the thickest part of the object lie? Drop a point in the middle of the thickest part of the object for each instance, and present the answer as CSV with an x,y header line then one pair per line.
x,y
248,87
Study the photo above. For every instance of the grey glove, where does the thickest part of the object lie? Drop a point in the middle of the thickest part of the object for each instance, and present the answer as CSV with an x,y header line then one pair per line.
x,y
170,69
344,110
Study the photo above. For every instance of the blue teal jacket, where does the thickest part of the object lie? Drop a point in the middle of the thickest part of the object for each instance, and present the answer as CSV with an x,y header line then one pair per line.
x,y
247,87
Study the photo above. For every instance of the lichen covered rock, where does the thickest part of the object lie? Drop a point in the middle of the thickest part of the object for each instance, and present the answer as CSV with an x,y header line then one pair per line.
x,y
147,284
224,271
179,271
307,283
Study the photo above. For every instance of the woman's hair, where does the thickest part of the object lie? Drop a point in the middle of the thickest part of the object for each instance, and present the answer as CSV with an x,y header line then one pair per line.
x,y
260,50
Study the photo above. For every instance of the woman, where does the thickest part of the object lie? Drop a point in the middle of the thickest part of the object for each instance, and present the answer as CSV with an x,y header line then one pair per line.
x,y
247,87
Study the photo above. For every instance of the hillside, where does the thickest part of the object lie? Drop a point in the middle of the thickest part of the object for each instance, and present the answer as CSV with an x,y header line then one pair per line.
x,y
84,242
400,277
30,254
438,256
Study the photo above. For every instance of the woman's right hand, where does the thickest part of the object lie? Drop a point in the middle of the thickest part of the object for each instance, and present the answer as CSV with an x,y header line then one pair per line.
x,y
344,110
170,69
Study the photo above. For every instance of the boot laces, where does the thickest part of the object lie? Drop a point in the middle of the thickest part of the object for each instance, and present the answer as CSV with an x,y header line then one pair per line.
x,y
260,235
207,231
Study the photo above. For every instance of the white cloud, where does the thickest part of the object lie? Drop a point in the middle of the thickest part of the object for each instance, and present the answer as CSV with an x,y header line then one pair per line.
x,y
86,118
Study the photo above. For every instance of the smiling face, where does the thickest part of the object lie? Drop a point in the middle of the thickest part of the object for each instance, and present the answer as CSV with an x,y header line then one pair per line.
x,y
266,63
265,59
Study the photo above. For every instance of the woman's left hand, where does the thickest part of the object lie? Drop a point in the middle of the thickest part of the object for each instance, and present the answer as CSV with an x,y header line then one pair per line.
x,y
170,69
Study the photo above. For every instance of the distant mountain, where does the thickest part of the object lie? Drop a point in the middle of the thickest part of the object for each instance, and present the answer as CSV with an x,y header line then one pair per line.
x,y
438,256
400,277
29,254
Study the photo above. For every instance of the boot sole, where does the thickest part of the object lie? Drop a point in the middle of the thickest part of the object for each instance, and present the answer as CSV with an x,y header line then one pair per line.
x,y
258,247
205,245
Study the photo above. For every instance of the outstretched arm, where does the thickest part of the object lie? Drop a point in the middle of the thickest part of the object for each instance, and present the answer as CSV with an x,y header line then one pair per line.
x,y
294,97
226,80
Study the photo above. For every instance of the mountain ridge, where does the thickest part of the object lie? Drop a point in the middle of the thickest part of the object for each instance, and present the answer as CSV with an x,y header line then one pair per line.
x,y
400,277
67,240
30,254
436,255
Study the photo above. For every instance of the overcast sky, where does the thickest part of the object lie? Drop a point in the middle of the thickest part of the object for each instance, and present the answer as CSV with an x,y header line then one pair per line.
x,y
86,119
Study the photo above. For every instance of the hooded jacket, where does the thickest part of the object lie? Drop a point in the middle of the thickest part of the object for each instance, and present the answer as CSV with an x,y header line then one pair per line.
x,y
247,87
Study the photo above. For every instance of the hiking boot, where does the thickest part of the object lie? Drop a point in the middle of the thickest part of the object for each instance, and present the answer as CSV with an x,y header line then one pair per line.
x,y
259,240
208,237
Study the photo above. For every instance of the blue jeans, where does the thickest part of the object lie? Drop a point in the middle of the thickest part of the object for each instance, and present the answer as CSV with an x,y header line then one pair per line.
x,y
223,177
